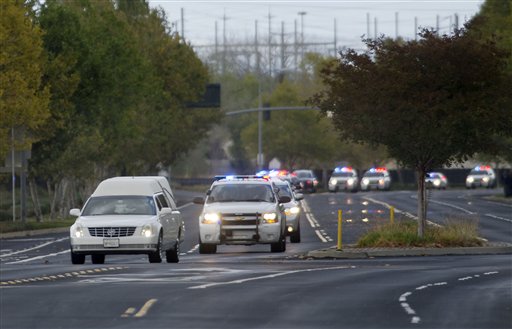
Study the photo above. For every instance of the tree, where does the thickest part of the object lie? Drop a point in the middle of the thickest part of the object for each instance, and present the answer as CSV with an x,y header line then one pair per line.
x,y
23,99
431,102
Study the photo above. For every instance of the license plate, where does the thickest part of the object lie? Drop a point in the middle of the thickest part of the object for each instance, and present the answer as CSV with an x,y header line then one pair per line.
x,y
111,243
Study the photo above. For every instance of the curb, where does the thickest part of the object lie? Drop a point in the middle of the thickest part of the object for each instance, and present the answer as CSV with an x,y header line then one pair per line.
x,y
364,253
22,234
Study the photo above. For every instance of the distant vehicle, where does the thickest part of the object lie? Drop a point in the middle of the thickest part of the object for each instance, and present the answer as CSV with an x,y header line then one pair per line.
x,y
307,180
242,210
344,178
291,209
376,178
436,180
481,176
128,215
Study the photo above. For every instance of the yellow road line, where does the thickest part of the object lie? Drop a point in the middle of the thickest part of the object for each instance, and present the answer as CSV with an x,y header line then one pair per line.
x,y
145,308
128,312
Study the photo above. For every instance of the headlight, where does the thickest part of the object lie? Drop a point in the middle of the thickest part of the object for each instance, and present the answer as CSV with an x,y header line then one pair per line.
x,y
470,179
437,182
146,231
270,218
79,231
350,181
333,181
381,182
485,179
366,181
210,218
292,211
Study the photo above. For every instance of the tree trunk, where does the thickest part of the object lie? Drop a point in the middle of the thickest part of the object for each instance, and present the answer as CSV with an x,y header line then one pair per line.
x,y
422,201
35,199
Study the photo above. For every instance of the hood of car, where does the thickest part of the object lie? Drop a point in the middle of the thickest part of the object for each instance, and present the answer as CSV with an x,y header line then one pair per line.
x,y
240,207
114,220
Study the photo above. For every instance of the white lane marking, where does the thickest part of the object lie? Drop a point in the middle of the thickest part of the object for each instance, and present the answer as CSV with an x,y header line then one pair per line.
x,y
269,276
185,205
39,257
453,206
193,249
398,211
33,248
320,236
410,311
498,217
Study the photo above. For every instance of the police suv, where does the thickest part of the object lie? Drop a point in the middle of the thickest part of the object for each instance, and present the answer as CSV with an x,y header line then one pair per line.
x,y
242,210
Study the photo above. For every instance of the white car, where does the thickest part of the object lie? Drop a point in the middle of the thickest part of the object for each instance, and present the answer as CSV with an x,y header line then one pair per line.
x,y
481,176
376,178
343,178
242,210
128,215
436,180
292,209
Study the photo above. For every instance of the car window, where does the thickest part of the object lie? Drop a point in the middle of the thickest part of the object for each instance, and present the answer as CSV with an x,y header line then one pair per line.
x,y
374,174
342,174
241,193
304,174
162,201
284,190
120,205
170,198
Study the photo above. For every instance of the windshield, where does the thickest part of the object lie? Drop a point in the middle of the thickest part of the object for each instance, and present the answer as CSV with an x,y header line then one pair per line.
x,y
374,174
241,193
304,174
284,190
120,205
342,174
478,172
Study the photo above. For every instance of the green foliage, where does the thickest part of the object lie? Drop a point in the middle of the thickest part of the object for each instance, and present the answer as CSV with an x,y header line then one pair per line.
x,y
454,233
23,99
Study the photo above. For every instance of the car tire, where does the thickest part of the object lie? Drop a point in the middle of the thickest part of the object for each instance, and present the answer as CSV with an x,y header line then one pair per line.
x,y
205,248
98,259
173,255
295,236
279,246
77,259
156,256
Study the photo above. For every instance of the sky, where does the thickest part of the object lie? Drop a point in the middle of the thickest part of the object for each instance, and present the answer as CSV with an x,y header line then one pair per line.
x,y
318,18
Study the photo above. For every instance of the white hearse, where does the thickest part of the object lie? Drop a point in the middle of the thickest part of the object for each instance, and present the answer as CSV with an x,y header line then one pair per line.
x,y
128,215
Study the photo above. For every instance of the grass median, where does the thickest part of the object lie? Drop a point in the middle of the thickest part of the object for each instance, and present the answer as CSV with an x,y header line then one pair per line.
x,y
455,232
31,224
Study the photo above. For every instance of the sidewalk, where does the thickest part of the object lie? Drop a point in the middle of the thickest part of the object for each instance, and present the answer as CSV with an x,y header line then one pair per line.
x,y
350,252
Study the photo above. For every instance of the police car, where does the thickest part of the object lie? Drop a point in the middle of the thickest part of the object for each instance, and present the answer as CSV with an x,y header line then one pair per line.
x,y
481,176
376,178
344,178
242,210
436,180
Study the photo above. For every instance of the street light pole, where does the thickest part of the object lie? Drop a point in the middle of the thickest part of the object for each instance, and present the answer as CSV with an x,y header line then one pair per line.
x,y
259,160
302,13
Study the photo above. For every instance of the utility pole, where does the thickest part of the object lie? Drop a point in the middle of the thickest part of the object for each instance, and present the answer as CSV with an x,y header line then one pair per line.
x,y
182,25
375,36
437,24
269,44
216,49
335,39
302,13
415,28
396,25
295,51
224,44
456,21
368,25
283,64
256,48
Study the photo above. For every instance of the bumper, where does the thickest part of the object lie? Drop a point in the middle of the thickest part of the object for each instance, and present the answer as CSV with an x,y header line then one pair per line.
x,y
342,187
126,245
240,234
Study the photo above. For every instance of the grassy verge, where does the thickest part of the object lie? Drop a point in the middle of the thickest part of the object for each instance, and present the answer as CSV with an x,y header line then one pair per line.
x,y
32,224
454,233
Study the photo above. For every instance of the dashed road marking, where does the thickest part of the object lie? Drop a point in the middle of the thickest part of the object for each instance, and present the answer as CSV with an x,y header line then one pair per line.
x,y
33,248
322,235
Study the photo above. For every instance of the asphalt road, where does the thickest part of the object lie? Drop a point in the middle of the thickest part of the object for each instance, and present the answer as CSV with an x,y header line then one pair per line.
x,y
249,287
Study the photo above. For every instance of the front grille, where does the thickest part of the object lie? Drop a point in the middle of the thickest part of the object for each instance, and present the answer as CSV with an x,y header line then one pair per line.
x,y
240,219
111,232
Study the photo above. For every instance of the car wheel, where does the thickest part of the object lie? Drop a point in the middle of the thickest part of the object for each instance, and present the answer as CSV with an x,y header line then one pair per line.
x,y
77,258
173,255
295,237
98,259
205,248
279,246
156,256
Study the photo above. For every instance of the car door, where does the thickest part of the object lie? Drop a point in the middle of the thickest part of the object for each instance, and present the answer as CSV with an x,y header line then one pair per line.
x,y
165,219
176,219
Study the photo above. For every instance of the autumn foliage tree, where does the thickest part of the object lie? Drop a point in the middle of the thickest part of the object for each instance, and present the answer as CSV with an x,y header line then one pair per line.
x,y
431,102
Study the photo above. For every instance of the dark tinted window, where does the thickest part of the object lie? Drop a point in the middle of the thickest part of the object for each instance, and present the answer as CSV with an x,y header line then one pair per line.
x,y
120,205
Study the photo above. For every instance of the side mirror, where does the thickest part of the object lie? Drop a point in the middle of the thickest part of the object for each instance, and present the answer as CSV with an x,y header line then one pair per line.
x,y
284,199
166,210
299,196
198,200
74,212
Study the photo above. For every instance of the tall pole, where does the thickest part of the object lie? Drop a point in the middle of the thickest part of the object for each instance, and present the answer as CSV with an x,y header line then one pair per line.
x,y
256,48
224,44
182,25
269,44
302,13
396,25
335,39
282,47
375,27
295,46
437,24
367,25
259,160
13,177
216,48
415,28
